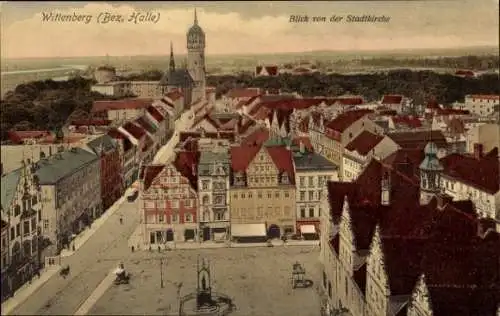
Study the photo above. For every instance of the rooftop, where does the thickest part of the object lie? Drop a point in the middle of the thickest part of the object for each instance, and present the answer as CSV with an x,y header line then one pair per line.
x,y
8,187
312,162
60,165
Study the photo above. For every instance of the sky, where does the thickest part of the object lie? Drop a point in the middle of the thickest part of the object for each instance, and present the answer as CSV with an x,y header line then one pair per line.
x,y
246,27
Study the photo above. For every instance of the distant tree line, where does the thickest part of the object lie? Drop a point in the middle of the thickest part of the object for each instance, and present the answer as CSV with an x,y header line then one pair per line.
x,y
48,104
420,86
463,62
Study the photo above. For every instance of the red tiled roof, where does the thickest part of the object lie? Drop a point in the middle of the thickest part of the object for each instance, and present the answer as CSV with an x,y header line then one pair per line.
x,y
243,92
134,130
402,262
155,114
208,119
271,70
392,99
90,122
482,173
364,143
174,95
145,124
126,104
448,111
485,96
116,134
186,162
241,157
346,119
418,139
150,174
19,136
256,138
346,101
283,161
464,72
409,121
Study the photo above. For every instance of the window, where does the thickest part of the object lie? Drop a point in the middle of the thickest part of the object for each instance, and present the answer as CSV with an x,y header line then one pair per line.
x,y
205,184
12,233
242,195
175,204
311,212
302,195
269,195
17,210
152,237
188,218
277,194
302,181
26,228
249,195
206,200
235,196
259,194
45,224
302,212
175,218
161,218
319,194
187,203
324,279
319,212
287,194
311,182
33,224
219,216
311,195
18,230
260,211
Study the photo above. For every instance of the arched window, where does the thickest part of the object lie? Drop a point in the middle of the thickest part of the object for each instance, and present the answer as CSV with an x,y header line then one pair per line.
x,y
206,200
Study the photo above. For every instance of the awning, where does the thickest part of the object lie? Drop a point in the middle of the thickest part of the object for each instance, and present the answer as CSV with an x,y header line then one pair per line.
x,y
248,230
308,229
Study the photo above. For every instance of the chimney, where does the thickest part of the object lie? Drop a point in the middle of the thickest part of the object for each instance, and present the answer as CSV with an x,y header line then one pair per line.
x,y
302,147
478,151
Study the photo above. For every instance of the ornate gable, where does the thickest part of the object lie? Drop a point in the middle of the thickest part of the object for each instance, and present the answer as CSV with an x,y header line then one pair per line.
x,y
346,246
420,304
259,162
376,265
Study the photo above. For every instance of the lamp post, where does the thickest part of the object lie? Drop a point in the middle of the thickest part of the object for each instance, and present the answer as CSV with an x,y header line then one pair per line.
x,y
161,273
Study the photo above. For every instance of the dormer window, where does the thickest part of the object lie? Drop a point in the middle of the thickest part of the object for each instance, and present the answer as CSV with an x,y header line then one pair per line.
x,y
284,178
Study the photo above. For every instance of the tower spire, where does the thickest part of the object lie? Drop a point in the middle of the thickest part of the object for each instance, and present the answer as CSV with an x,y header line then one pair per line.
x,y
195,17
172,62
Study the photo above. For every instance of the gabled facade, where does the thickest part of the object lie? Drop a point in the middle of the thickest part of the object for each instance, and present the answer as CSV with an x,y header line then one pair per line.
x,y
262,188
362,149
213,192
20,210
170,201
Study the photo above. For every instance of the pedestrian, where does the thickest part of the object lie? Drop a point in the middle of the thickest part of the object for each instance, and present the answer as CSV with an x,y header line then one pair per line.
x,y
159,248
121,220
132,248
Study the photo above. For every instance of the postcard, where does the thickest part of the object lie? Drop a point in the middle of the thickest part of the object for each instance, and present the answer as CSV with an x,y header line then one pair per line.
x,y
250,158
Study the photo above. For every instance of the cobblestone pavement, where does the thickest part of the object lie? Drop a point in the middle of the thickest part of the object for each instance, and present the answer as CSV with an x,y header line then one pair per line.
x,y
89,265
257,279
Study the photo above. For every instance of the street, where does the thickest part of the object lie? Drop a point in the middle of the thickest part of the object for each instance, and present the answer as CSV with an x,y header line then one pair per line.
x,y
89,265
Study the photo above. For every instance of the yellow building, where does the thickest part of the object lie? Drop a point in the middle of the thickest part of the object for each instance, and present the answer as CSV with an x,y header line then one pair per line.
x,y
262,192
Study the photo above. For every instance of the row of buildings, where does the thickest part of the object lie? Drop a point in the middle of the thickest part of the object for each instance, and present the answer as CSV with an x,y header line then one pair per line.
x,y
307,135
54,184
251,190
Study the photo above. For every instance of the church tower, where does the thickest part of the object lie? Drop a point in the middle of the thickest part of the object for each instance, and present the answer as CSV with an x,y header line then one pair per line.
x,y
430,174
196,58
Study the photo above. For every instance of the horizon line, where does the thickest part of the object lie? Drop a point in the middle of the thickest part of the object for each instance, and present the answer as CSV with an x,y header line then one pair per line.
x,y
268,53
